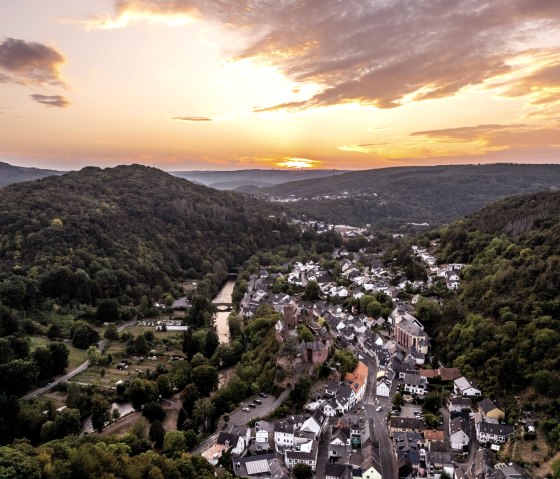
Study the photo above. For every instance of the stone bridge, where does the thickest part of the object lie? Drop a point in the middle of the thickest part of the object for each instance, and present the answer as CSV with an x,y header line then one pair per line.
x,y
223,306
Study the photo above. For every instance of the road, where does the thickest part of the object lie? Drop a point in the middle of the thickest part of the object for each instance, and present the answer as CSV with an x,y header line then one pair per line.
x,y
82,367
380,430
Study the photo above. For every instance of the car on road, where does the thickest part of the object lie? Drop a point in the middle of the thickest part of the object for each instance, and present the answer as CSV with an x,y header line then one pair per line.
x,y
379,408
246,409
263,395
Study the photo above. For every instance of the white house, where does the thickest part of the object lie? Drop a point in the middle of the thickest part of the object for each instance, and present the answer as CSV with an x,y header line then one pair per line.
x,y
284,434
314,424
492,433
383,389
463,387
459,434
415,384
304,453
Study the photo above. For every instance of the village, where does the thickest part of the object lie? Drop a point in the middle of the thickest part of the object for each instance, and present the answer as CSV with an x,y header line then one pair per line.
x,y
395,414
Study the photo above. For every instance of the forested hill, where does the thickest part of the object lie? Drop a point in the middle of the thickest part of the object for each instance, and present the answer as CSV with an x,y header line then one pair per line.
x,y
434,194
512,283
14,174
248,180
118,232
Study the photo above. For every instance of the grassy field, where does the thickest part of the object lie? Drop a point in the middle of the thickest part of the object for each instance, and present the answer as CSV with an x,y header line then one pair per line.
x,y
75,358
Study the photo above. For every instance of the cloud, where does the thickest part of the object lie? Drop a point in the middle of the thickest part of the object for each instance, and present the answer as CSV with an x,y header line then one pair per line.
x,y
498,136
383,53
192,118
30,63
51,100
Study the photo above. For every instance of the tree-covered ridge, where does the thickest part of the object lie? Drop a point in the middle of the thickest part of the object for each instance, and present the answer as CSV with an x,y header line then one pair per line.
x,y
14,174
434,194
511,288
118,232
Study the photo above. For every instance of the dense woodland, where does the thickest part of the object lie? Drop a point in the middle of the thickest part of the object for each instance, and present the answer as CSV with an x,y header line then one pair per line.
x,y
503,328
393,196
119,233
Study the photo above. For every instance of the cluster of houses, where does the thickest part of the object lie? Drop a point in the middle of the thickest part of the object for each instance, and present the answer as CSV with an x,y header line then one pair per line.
x,y
401,348
335,448
449,273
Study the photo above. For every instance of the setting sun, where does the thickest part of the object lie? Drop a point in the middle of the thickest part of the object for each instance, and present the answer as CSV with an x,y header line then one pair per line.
x,y
297,163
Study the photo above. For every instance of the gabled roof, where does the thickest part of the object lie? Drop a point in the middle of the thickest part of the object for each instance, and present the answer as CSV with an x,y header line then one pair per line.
x,y
487,405
458,424
495,429
433,435
230,439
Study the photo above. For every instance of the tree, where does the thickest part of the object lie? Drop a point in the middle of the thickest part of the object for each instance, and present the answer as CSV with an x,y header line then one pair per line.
x,y
190,344
235,324
164,385
17,465
54,332
93,355
174,443
312,291
157,433
300,393
83,335
189,396
432,403
203,411
398,400
206,378
141,345
100,410
59,357
153,411
141,391
42,357
302,471
67,423
112,332
304,334
211,344
542,381
18,376
107,311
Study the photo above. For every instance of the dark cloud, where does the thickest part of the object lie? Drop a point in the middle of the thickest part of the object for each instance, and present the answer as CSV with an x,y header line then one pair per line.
x,y
51,100
192,118
379,52
30,63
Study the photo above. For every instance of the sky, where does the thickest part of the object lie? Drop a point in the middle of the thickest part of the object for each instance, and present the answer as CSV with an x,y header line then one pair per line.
x,y
224,85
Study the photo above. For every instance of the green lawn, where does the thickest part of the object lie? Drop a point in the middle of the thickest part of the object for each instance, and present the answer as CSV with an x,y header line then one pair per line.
x,y
75,358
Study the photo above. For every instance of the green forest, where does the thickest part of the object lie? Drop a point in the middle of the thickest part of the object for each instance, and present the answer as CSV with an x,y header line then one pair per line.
x,y
503,327
118,233
395,196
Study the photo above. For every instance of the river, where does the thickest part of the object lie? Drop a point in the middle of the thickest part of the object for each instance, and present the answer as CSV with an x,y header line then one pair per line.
x,y
221,320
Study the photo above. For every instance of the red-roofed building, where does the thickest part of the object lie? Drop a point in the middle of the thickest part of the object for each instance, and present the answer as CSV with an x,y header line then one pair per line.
x,y
357,380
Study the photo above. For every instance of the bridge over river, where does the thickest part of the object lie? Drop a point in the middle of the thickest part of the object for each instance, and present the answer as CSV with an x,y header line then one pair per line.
x,y
224,305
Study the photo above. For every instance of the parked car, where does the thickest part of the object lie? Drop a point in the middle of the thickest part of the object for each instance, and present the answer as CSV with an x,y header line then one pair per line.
x,y
263,395
257,401
246,409
252,405
379,408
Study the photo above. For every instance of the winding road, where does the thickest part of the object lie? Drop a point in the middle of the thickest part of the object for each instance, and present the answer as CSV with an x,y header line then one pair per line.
x,y
82,367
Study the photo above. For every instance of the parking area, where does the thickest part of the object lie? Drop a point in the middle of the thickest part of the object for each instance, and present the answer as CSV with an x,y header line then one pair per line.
x,y
410,410
243,414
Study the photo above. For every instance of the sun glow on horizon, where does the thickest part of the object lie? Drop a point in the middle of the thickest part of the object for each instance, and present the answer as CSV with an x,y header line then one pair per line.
x,y
299,163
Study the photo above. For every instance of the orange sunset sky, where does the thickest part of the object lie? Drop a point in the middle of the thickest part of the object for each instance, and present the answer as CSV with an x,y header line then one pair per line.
x,y
217,84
